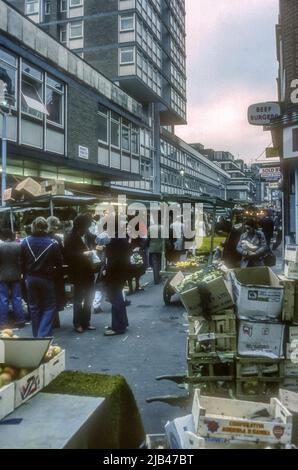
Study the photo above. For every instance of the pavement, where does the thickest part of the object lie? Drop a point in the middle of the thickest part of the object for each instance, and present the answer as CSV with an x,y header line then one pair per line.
x,y
154,345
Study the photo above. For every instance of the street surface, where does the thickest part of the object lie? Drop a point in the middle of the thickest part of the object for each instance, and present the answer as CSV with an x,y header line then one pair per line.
x,y
155,344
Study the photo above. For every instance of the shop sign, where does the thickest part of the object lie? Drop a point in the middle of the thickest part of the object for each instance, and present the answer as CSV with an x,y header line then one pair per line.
x,y
271,173
83,152
261,114
272,152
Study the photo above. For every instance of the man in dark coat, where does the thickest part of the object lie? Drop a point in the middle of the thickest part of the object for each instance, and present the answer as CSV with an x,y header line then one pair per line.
x,y
78,248
41,262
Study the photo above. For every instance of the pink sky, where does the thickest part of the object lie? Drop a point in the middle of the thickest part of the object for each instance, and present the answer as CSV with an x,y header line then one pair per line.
x,y
231,63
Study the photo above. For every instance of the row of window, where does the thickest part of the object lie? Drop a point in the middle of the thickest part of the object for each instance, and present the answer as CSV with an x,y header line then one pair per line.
x,y
177,32
32,6
71,30
149,74
177,56
178,103
179,11
148,43
177,159
117,132
149,16
41,94
178,79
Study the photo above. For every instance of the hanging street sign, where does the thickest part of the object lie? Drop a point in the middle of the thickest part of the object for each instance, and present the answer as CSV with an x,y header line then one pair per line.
x,y
261,114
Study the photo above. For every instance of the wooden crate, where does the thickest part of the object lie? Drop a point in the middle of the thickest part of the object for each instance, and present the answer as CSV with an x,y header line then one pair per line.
x,y
290,302
215,335
258,378
242,420
212,376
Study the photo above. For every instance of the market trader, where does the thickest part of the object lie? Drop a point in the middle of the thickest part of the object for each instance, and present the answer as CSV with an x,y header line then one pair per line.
x,y
252,245
41,262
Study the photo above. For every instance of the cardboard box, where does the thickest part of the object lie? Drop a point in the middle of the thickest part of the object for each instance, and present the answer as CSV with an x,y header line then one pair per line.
x,y
291,270
54,187
261,340
258,294
237,419
291,253
29,187
293,334
290,369
53,368
292,352
289,399
290,302
221,298
28,386
7,397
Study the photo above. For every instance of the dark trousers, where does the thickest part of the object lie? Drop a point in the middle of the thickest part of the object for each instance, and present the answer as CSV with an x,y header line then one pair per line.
x,y
119,314
13,288
42,304
83,296
155,263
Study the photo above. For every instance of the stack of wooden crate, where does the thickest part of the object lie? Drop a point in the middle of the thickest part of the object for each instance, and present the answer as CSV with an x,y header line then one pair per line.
x,y
211,349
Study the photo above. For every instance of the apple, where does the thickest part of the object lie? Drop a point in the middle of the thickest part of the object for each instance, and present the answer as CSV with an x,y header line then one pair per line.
x,y
7,332
12,371
5,378
56,350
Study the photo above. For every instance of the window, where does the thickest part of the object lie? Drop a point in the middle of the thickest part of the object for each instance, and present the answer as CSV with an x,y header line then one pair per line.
x,y
127,55
115,130
32,91
75,3
47,8
8,69
55,101
63,5
125,135
135,140
31,7
127,23
102,124
76,29
63,34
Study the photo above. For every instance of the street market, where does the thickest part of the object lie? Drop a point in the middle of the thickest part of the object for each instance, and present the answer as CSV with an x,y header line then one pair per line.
x,y
148,281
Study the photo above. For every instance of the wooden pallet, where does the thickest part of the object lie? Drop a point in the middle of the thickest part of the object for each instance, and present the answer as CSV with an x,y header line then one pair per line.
x,y
212,346
258,378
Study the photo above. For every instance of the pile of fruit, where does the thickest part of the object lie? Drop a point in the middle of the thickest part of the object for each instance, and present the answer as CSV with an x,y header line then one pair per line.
x,y
51,352
190,263
7,334
203,275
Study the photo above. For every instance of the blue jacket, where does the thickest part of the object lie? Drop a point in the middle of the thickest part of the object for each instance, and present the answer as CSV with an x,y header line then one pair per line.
x,y
41,256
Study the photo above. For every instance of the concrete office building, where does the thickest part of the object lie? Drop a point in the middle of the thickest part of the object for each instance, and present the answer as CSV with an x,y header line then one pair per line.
x,y
140,45
60,108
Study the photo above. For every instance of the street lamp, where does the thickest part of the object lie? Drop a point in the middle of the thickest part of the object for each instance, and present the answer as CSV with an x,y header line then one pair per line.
x,y
4,104
182,173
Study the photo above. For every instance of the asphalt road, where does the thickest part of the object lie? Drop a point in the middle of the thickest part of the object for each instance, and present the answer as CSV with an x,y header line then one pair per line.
x,y
154,345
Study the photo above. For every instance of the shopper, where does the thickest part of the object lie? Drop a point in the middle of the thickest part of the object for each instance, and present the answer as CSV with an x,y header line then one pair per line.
x,y
117,272
252,245
155,250
267,226
41,262
78,248
10,280
54,226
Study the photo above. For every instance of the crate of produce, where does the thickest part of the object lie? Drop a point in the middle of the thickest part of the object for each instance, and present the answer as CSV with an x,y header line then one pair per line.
x,y
210,336
258,377
243,420
290,301
55,364
258,294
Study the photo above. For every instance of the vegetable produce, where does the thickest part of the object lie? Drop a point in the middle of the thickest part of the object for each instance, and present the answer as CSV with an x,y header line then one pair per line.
x,y
203,275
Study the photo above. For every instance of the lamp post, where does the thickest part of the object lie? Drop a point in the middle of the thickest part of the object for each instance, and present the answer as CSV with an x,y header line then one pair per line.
x,y
6,101
182,173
